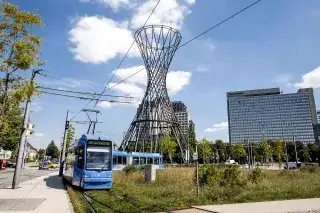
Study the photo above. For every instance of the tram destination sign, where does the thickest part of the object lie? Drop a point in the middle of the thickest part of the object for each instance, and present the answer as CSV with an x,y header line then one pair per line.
x,y
99,143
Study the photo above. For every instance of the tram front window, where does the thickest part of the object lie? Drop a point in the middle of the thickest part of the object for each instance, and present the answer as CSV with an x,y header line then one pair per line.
x,y
99,158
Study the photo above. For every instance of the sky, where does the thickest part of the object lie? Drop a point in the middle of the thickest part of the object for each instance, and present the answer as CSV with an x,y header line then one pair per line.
x,y
273,44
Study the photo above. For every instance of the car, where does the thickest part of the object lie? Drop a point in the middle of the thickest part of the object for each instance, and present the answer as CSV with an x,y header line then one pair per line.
x,y
11,164
44,165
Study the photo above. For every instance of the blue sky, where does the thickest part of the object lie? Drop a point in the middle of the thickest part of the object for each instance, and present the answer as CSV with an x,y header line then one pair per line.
x,y
273,44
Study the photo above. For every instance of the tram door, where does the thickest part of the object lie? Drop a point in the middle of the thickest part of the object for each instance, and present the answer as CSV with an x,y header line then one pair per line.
x,y
79,165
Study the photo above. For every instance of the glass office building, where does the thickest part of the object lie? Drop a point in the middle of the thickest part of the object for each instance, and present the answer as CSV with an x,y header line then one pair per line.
x,y
253,114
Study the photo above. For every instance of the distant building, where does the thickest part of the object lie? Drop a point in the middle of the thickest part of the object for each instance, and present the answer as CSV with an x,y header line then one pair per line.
x,y
318,115
30,151
253,114
181,113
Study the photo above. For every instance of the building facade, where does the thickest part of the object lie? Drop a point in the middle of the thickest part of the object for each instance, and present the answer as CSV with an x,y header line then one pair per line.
x,y
253,114
318,115
181,113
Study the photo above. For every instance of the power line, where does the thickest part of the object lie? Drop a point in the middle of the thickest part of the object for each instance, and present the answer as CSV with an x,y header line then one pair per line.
x,y
225,20
85,98
194,38
84,93
105,87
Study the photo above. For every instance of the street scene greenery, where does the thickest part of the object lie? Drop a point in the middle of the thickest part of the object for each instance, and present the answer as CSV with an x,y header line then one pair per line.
x,y
175,188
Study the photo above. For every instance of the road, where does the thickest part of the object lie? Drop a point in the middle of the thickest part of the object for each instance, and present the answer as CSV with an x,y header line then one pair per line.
x,y
6,175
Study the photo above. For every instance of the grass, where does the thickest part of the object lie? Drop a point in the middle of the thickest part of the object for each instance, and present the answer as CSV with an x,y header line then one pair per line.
x,y
174,188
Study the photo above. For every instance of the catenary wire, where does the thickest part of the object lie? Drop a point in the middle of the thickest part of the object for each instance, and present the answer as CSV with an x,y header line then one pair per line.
x,y
114,73
194,38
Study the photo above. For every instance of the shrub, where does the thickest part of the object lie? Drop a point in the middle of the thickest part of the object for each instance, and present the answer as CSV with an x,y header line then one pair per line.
x,y
256,175
310,169
223,175
130,169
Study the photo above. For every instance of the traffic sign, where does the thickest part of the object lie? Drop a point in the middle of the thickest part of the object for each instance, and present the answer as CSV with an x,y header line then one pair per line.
x,y
195,156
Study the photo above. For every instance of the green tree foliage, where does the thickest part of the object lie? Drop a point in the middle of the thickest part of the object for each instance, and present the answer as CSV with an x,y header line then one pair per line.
x,y
221,148
40,154
278,150
168,146
314,152
52,150
19,51
265,150
70,136
204,150
192,136
305,154
238,152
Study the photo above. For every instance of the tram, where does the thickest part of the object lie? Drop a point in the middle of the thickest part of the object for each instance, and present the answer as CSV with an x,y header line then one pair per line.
x,y
122,159
89,163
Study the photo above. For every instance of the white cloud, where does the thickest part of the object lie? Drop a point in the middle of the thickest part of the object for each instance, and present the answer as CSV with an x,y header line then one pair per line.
x,y
114,4
283,79
39,135
177,80
310,79
97,39
191,1
105,104
217,127
168,12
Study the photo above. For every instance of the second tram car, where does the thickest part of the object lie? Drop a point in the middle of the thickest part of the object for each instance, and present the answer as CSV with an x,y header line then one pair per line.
x,y
89,163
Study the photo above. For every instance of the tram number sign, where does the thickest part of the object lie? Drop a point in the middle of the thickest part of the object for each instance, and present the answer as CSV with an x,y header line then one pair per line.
x,y
100,143
195,156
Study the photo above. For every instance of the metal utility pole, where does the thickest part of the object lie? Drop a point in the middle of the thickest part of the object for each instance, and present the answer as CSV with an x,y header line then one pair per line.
x,y
197,170
295,149
285,146
251,156
248,148
63,151
17,170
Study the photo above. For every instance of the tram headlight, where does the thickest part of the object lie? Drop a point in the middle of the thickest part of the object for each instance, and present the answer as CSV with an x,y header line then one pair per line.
x,y
85,176
109,176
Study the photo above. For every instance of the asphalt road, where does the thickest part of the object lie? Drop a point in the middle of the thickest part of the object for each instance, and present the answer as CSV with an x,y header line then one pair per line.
x,y
6,175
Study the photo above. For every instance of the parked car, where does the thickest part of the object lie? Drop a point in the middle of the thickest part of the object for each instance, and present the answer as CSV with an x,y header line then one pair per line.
x,y
3,163
44,165
291,165
11,164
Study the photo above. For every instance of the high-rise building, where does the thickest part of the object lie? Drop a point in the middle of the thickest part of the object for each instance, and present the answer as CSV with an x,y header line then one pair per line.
x,y
181,112
318,115
253,114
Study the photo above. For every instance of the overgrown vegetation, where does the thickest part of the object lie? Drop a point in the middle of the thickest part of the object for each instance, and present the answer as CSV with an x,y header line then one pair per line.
x,y
175,188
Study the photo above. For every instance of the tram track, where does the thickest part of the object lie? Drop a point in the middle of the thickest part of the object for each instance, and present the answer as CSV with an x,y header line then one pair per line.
x,y
89,200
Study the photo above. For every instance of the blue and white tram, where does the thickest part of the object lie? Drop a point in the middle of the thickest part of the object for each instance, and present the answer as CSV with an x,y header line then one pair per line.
x,y
89,163
122,159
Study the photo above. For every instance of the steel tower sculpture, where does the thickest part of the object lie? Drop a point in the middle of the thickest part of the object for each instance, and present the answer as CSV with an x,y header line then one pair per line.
x,y
155,118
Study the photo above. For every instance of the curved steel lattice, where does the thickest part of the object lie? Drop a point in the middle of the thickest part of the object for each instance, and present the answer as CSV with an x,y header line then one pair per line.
x,y
155,117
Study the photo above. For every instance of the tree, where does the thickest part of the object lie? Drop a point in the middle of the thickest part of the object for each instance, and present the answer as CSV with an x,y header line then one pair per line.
x,y
19,51
52,150
168,146
222,150
305,153
40,154
278,150
70,136
191,137
204,149
314,152
265,149
238,152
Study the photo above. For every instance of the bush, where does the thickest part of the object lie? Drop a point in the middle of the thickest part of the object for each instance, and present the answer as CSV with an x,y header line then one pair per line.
x,y
310,169
130,169
256,175
223,175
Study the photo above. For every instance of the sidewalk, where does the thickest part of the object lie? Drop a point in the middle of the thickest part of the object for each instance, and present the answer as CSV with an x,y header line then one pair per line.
x,y
43,194
285,206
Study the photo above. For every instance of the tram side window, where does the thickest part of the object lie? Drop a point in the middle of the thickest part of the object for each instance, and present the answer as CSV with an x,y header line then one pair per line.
x,y
124,162
114,159
149,160
135,161
119,158
142,161
81,157
156,161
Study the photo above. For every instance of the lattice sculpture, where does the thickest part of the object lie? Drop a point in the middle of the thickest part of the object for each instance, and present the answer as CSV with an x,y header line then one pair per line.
x,y
155,118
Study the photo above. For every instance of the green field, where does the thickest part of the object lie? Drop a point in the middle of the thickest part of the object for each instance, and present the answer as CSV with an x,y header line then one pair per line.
x,y
175,189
